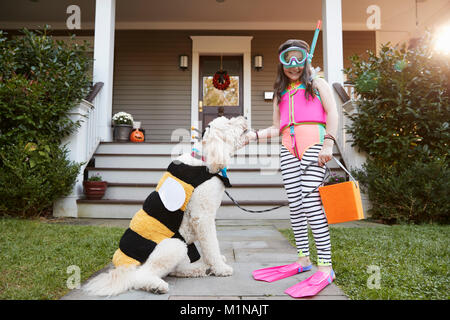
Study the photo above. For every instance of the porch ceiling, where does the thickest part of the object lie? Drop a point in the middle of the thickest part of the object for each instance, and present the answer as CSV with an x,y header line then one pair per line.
x,y
229,14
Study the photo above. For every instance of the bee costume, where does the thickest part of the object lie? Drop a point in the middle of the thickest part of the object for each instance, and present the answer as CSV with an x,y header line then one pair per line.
x,y
162,213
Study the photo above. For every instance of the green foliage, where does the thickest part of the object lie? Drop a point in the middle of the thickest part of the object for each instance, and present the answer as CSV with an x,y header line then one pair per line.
x,y
95,178
402,123
33,176
41,80
334,179
408,192
404,106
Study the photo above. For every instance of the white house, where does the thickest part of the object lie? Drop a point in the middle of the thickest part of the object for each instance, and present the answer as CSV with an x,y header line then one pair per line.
x,y
138,46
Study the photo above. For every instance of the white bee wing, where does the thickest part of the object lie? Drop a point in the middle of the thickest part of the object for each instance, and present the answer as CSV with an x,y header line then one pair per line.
x,y
172,194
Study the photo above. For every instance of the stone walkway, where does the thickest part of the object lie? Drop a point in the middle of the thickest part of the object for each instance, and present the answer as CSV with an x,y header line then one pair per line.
x,y
247,245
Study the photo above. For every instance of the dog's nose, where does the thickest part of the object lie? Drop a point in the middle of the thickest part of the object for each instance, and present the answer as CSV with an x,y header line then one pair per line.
x,y
245,118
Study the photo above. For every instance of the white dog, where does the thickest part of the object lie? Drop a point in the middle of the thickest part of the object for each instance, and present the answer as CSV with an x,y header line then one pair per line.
x,y
170,256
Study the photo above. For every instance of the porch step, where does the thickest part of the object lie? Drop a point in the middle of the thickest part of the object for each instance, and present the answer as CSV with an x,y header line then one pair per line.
x,y
125,209
176,148
240,192
148,161
133,170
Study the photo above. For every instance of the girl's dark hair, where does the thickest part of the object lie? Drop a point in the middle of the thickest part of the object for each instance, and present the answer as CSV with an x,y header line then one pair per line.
x,y
282,81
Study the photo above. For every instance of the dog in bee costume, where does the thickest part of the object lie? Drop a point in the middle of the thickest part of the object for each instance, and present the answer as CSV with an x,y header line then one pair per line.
x,y
181,210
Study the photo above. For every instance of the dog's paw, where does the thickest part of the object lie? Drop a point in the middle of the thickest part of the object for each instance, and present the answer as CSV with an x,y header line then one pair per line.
x,y
191,273
157,286
222,270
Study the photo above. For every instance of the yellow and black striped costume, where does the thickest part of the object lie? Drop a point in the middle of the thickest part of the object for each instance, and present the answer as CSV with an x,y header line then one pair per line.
x,y
154,222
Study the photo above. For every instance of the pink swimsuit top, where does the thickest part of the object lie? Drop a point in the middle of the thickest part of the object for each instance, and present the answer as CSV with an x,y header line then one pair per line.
x,y
302,121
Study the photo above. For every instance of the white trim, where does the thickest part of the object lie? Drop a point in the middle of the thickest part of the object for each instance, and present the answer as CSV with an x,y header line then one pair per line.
x,y
189,25
204,45
105,11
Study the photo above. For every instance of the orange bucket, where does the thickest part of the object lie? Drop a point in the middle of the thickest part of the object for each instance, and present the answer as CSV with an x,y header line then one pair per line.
x,y
342,202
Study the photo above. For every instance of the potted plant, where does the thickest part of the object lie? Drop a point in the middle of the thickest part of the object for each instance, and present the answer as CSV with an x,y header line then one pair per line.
x,y
334,179
123,123
95,187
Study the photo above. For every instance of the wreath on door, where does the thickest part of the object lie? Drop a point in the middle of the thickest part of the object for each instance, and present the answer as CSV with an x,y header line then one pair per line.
x,y
221,80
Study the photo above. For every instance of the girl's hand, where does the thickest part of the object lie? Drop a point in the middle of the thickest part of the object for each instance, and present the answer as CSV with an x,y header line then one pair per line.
x,y
250,136
325,154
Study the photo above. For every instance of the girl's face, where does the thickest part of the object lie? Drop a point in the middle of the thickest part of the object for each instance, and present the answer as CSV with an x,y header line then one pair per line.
x,y
293,74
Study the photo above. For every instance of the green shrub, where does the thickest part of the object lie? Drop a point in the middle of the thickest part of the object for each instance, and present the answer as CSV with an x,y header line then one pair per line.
x,y
41,80
413,191
404,106
402,123
33,176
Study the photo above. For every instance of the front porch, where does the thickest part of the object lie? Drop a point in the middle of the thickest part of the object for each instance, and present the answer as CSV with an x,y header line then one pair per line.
x,y
141,76
136,49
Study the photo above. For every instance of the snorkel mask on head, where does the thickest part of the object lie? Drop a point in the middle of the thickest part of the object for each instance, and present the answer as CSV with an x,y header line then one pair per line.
x,y
302,54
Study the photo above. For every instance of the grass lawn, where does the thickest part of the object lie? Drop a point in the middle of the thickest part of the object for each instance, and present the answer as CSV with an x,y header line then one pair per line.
x,y
34,256
412,261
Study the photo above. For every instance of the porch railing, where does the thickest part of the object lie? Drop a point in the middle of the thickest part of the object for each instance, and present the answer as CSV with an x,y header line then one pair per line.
x,y
353,158
93,138
81,146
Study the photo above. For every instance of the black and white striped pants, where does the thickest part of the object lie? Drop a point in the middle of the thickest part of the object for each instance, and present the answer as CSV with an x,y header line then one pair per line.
x,y
308,210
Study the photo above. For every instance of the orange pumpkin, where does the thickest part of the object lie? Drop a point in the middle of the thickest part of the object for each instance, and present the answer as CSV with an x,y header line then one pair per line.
x,y
137,136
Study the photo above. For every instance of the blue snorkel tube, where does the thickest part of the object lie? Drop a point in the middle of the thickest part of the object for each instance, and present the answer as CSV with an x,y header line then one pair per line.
x,y
314,42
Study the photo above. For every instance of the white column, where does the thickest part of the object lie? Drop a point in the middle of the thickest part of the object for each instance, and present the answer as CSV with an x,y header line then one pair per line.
x,y
333,57
104,62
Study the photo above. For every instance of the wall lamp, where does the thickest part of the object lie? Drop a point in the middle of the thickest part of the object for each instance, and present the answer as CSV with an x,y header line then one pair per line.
x,y
183,62
258,62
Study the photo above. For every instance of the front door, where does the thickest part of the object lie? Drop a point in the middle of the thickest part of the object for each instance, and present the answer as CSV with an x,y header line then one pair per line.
x,y
216,102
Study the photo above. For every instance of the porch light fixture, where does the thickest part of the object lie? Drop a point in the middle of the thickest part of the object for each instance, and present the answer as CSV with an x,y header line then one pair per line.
x,y
258,62
184,62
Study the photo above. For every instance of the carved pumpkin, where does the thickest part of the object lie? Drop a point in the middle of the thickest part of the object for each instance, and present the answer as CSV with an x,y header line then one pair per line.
x,y
137,136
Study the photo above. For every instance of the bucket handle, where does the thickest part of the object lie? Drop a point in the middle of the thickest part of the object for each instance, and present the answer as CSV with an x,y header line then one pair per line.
x,y
329,174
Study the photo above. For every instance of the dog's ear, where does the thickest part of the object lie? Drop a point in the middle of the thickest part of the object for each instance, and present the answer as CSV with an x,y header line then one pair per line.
x,y
217,150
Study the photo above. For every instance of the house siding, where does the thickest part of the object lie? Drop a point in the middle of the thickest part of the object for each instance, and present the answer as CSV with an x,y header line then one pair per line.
x,y
149,85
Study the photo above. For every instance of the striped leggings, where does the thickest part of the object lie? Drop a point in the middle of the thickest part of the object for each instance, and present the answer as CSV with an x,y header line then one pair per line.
x,y
309,210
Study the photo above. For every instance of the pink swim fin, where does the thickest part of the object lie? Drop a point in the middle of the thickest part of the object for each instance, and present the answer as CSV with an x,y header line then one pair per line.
x,y
280,272
311,286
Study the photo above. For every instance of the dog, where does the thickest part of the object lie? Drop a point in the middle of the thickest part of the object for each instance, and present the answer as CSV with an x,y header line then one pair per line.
x,y
176,254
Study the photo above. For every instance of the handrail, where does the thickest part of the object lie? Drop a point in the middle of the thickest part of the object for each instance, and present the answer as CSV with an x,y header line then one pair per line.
x,y
341,92
95,89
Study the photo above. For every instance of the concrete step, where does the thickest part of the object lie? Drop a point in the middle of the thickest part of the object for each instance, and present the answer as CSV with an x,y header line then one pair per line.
x,y
133,170
125,209
124,160
152,175
239,192
177,148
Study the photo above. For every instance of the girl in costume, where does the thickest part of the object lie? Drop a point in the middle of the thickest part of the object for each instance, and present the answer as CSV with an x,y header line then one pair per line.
x,y
305,115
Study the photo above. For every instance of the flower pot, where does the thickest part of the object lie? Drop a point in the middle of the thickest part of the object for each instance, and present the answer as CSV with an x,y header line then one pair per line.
x,y
122,132
95,190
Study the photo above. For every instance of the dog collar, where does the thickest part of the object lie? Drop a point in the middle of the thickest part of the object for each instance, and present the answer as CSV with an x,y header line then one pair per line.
x,y
196,154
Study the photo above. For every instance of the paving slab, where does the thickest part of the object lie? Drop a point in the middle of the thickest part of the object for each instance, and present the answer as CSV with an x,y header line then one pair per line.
x,y
248,245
